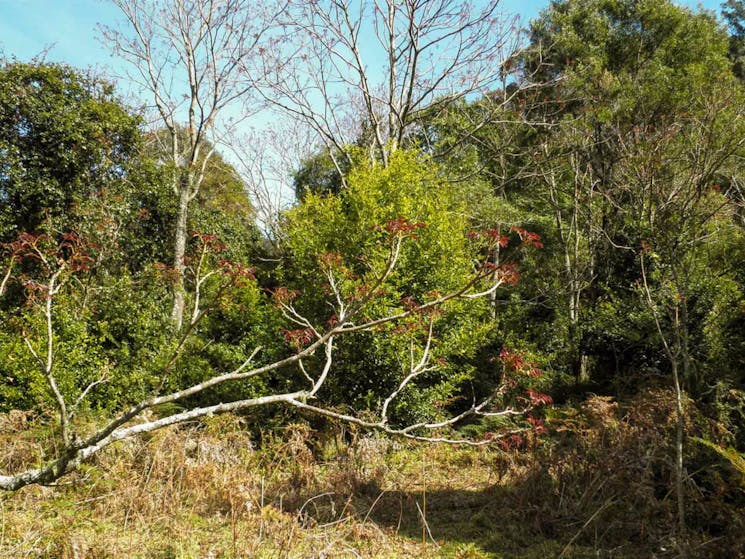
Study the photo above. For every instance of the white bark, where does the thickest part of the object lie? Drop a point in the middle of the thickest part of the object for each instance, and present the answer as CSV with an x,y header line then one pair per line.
x,y
187,57
75,450
380,66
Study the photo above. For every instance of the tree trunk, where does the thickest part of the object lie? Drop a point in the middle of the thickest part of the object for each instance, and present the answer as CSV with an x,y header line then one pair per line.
x,y
681,339
177,313
679,427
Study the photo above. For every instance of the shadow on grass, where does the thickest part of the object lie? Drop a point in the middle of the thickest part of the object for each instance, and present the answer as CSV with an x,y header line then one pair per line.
x,y
520,521
494,520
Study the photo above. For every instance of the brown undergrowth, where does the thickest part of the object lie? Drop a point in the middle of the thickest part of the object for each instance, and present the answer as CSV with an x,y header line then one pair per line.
x,y
597,486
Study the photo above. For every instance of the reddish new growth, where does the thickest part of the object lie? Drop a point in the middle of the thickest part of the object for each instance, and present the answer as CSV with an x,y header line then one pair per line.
x,y
25,246
538,427
236,271
537,398
493,237
71,252
360,292
514,362
528,237
408,327
401,227
332,260
232,270
298,338
513,442
212,242
409,303
75,252
434,294
33,287
284,296
165,272
509,273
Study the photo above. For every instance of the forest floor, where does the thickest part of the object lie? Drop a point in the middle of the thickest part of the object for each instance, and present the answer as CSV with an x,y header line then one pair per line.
x,y
207,492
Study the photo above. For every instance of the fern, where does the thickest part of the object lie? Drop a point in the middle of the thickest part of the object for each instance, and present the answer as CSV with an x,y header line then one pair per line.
x,y
735,458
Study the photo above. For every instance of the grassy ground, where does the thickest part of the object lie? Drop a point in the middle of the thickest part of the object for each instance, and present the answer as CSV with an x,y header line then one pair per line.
x,y
207,492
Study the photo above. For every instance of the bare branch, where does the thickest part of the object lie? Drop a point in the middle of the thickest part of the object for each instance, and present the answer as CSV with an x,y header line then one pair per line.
x,y
187,56
6,277
75,449
430,54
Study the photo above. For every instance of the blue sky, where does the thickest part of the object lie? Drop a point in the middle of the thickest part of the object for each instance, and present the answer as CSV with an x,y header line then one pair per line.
x,y
28,26
68,28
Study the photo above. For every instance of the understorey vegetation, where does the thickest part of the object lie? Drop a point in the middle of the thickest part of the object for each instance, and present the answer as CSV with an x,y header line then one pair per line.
x,y
504,315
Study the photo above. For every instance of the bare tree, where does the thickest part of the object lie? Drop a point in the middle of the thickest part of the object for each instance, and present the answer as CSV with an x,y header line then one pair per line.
x,y
187,57
570,189
266,160
61,262
669,189
376,69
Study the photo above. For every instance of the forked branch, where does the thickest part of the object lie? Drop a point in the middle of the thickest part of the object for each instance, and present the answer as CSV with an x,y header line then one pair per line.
x,y
74,450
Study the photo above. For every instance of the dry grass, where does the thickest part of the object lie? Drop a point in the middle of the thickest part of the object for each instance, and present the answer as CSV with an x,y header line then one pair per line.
x,y
207,491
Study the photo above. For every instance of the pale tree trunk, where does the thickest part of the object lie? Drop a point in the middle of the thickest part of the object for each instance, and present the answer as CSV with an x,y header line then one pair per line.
x,y
191,55
179,251
679,428
568,230
680,326
675,349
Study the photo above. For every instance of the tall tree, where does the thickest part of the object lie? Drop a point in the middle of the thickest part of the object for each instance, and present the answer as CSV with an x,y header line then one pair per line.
x,y
637,140
187,56
613,66
681,215
64,139
376,68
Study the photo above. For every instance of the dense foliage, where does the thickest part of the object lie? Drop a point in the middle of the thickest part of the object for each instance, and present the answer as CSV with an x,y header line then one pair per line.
x,y
604,203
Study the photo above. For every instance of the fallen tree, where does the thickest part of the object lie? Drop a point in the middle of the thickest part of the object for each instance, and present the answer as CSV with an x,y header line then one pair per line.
x,y
58,264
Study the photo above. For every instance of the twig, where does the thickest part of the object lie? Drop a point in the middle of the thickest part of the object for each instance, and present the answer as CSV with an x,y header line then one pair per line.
x,y
585,525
